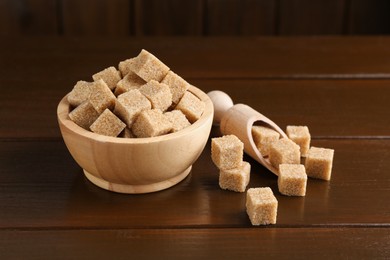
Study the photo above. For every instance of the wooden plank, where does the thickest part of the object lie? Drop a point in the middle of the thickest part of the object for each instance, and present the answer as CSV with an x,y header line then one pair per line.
x,y
233,17
286,243
42,187
70,59
307,17
369,17
170,17
98,18
28,17
331,108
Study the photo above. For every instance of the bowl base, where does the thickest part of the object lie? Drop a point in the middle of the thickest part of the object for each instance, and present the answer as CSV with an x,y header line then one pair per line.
x,y
137,189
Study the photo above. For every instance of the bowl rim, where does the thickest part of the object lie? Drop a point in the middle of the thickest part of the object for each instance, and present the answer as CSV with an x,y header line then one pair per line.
x,y
63,110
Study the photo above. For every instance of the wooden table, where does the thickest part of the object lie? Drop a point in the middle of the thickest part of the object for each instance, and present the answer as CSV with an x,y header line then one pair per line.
x,y
339,87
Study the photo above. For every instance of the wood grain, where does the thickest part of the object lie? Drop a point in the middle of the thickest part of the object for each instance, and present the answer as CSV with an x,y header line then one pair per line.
x,y
98,18
37,176
28,17
332,243
306,17
368,17
194,17
212,58
339,87
249,17
352,108
169,17
330,108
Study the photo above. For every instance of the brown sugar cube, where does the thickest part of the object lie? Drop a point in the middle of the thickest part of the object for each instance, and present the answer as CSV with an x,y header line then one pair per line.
x,y
263,137
151,123
158,93
261,206
101,96
301,136
227,152
108,124
129,105
191,106
127,133
148,67
284,151
126,66
319,163
84,115
178,120
130,81
235,179
110,75
80,93
177,85
292,179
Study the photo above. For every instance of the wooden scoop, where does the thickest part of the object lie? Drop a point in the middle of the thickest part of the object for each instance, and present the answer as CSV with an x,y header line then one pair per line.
x,y
238,120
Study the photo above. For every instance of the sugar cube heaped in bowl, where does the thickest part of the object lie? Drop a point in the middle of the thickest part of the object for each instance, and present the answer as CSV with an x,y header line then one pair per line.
x,y
108,124
140,83
130,104
110,76
148,67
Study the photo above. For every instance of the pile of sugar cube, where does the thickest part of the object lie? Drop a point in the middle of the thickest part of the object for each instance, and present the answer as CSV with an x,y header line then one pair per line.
x,y
144,98
284,154
227,154
234,174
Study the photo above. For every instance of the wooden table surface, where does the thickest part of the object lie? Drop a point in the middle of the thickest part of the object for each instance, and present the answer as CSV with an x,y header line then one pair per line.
x,y
339,87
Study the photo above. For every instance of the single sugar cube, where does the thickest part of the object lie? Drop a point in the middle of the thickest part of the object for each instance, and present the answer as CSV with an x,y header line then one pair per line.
x,y
235,179
108,124
178,120
319,163
263,137
148,67
151,123
80,93
158,93
261,206
284,151
177,85
84,115
292,179
101,96
227,152
110,75
301,136
129,105
191,106
126,66
129,82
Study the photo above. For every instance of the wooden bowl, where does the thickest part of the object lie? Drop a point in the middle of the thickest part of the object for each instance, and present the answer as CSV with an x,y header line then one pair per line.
x,y
136,165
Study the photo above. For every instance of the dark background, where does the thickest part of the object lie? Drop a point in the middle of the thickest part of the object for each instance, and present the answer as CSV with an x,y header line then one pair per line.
x,y
194,17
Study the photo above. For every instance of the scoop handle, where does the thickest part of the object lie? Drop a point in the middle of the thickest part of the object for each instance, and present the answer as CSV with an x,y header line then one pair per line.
x,y
222,103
